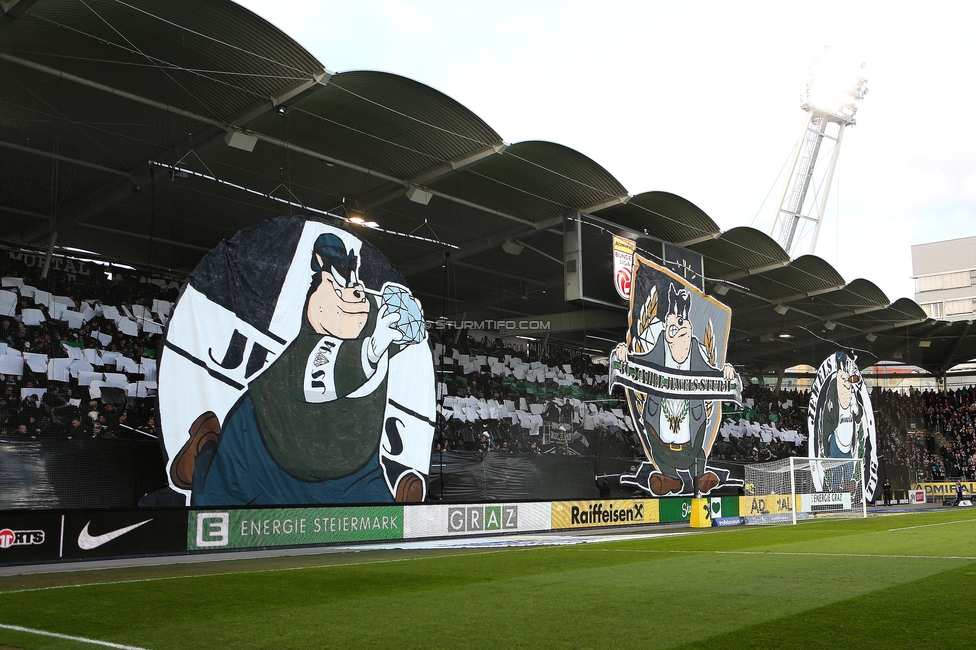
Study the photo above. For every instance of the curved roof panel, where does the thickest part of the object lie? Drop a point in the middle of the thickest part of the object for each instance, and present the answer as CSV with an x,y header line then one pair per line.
x,y
211,58
802,278
740,252
383,122
217,120
865,293
665,216
534,180
558,173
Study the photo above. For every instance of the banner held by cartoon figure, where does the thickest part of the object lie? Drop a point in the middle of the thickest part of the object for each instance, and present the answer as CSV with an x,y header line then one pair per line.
x,y
296,370
840,422
672,369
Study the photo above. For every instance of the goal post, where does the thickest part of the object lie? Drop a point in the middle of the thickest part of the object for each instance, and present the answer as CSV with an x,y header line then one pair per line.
x,y
792,489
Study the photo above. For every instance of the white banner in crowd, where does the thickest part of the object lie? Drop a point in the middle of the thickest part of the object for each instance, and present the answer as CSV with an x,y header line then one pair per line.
x,y
8,303
36,362
12,364
58,370
32,317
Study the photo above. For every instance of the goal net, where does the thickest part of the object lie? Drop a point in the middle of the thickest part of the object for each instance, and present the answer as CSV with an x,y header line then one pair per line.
x,y
787,490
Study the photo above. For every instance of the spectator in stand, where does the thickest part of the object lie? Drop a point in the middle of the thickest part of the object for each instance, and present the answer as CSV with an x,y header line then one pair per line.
x,y
52,399
149,427
77,430
93,412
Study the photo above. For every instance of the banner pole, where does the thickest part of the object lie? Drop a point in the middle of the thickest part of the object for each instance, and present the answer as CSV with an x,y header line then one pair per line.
x,y
793,487
864,497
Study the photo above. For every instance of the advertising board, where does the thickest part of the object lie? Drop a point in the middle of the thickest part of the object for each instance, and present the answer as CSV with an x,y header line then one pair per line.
x,y
29,537
593,514
270,527
461,519
130,532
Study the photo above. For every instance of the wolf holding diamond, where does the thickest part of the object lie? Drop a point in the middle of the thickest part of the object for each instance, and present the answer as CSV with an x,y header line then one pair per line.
x,y
296,370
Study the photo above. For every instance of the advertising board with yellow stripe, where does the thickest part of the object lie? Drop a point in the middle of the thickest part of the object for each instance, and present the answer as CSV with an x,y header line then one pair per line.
x,y
593,514
768,504
945,488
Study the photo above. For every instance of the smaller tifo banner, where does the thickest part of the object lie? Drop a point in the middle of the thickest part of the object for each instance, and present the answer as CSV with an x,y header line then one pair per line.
x,y
29,537
259,528
594,514
460,519
944,489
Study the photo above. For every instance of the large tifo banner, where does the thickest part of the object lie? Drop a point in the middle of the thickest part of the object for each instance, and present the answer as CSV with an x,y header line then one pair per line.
x,y
672,369
840,424
296,370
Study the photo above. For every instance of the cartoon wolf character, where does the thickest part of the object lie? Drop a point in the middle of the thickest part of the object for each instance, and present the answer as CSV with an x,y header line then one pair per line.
x,y
674,429
308,429
840,426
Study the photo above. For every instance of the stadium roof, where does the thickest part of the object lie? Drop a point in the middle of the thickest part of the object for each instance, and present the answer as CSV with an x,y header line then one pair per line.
x,y
147,132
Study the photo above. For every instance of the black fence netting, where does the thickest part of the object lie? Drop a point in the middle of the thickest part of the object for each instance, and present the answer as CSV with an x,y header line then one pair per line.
x,y
83,473
465,477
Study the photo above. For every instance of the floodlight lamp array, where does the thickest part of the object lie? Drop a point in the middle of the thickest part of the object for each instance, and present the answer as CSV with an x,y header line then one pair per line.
x,y
835,87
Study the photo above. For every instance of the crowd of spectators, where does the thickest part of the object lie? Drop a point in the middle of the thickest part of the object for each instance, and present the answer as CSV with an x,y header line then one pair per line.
x,y
953,414
47,401
931,433
498,398
491,397
768,426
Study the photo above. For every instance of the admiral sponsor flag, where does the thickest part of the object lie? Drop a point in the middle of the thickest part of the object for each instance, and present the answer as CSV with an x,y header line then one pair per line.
x,y
672,369
840,423
296,370
623,264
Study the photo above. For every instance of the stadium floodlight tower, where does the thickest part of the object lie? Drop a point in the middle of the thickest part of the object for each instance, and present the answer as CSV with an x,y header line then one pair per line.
x,y
830,101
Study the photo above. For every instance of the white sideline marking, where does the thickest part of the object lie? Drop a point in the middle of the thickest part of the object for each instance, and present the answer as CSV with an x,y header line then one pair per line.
x,y
944,523
232,573
877,555
508,541
68,637
519,543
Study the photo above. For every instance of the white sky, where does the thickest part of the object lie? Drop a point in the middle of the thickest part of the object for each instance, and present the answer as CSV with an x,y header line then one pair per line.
x,y
701,99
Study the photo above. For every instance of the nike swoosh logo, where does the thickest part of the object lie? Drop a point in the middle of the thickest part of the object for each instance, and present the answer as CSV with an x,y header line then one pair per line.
x,y
87,542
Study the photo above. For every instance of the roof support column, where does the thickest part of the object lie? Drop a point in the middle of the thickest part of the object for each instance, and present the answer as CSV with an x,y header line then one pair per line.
x,y
50,253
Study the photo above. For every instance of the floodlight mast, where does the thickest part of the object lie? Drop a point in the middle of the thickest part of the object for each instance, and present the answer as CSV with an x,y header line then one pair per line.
x,y
830,102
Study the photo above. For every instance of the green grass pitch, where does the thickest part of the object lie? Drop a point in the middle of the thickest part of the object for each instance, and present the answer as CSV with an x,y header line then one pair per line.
x,y
884,582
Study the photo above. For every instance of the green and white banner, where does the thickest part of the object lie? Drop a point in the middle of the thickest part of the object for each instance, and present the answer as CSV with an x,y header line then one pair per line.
x,y
253,528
